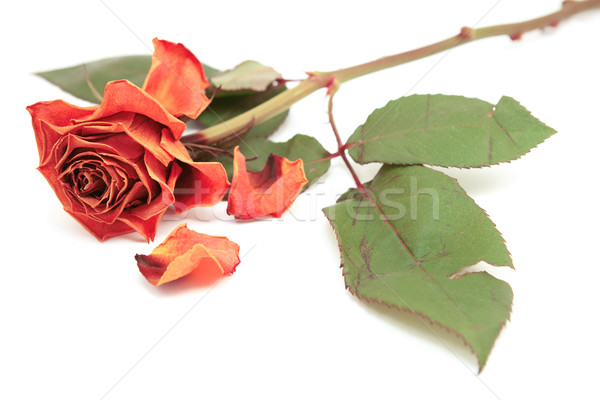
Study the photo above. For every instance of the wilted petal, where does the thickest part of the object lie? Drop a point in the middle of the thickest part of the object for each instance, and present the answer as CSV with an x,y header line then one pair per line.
x,y
200,184
124,97
101,230
269,192
48,114
144,218
176,79
184,251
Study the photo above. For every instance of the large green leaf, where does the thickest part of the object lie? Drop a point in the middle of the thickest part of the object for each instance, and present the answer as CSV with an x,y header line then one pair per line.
x,y
73,79
447,131
225,105
314,156
133,68
406,239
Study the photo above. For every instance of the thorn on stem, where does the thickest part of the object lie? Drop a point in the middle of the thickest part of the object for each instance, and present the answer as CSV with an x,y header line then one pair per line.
x,y
466,33
516,36
332,85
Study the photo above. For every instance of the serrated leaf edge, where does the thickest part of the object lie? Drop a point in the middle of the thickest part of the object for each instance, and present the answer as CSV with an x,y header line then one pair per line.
x,y
423,317
361,126
481,363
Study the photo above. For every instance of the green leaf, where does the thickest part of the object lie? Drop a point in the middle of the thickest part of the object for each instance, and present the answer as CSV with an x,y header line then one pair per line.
x,y
226,107
249,75
209,71
73,79
133,68
404,243
314,156
449,131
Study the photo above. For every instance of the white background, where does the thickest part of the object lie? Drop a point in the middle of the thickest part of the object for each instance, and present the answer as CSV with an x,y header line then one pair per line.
x,y
80,322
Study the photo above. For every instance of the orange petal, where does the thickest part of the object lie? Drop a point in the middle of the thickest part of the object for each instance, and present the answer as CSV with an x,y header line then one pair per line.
x,y
184,251
268,192
176,79
124,97
56,113
200,184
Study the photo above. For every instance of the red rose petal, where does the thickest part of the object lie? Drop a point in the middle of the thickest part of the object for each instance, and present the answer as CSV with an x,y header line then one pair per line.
x,y
268,192
176,79
124,97
184,251
201,184
101,230
56,113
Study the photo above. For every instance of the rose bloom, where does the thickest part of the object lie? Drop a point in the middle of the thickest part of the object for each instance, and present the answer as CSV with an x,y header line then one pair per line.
x,y
117,167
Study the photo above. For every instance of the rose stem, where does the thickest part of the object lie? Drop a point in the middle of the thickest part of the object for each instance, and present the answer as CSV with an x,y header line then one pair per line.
x,y
318,80
332,88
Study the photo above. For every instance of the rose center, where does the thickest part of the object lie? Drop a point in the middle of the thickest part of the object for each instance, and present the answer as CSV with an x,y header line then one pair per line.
x,y
89,183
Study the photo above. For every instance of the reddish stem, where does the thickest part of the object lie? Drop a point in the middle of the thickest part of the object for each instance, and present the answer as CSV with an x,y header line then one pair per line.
x,y
341,147
318,80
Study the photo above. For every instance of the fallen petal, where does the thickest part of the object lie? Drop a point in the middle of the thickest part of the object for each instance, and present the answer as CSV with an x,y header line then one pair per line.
x,y
185,251
269,192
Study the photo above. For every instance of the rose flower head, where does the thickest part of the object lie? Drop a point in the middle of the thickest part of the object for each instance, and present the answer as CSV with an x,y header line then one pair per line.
x,y
118,166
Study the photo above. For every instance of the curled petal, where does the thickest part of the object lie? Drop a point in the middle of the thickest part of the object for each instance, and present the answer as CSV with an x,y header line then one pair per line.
x,y
48,114
201,184
269,192
101,230
176,79
124,97
184,251
145,218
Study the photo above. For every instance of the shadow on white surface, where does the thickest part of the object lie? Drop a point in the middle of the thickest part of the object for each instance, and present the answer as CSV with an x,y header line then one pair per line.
x,y
424,330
